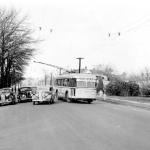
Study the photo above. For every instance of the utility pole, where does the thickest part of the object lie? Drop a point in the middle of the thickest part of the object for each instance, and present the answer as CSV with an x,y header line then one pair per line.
x,y
80,58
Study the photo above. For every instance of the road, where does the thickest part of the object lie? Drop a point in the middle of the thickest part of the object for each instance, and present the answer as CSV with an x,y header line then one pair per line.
x,y
74,126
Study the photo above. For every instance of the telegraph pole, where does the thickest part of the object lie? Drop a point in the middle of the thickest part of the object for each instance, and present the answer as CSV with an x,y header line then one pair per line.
x,y
80,58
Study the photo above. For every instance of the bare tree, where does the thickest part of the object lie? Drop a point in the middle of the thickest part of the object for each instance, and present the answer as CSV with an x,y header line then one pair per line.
x,y
142,78
103,69
16,47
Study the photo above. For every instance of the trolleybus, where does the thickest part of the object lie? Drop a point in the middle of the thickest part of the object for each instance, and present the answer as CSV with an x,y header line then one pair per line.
x,y
76,86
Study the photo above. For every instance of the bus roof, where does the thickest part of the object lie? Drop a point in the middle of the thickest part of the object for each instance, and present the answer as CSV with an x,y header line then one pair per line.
x,y
76,75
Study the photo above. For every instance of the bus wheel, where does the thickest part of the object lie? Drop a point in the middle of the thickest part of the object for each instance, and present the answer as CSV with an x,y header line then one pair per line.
x,y
66,98
56,95
51,101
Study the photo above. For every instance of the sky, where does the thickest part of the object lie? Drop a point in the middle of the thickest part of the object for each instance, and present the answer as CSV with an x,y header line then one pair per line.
x,y
81,28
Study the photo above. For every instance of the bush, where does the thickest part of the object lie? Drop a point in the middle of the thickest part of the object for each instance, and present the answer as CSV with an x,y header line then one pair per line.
x,y
113,88
134,89
121,88
145,90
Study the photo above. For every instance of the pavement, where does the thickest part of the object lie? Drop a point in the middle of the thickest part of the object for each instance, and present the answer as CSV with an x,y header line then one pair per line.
x,y
125,101
74,126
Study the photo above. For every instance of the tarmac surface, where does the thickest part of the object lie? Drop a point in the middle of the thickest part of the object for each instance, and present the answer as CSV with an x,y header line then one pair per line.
x,y
74,126
126,101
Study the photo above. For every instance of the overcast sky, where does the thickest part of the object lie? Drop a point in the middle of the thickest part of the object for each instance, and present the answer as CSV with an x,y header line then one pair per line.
x,y
80,28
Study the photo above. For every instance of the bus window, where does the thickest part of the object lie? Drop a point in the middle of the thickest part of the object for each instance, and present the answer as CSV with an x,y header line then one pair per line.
x,y
81,84
59,82
65,82
72,82
90,84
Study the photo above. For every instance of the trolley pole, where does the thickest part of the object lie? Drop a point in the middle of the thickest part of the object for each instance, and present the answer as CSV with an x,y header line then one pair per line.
x,y
80,63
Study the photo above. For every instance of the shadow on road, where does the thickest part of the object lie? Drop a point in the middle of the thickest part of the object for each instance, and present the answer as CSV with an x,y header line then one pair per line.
x,y
46,103
78,102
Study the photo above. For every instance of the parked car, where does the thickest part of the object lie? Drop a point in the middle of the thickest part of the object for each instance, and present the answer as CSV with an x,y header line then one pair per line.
x,y
25,94
7,96
43,96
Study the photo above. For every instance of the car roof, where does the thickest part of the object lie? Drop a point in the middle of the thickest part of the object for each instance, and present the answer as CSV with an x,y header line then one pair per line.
x,y
27,87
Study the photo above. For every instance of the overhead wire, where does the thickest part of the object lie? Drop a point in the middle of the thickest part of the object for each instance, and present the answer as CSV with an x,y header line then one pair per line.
x,y
131,28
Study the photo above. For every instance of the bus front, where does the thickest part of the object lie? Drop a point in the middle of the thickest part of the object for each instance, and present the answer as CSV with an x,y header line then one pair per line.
x,y
84,90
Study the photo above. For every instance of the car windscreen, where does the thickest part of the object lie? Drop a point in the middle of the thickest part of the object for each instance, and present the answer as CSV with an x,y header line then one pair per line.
x,y
34,90
25,89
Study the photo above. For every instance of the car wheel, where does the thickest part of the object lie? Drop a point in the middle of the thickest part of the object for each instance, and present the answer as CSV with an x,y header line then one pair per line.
x,y
90,101
56,95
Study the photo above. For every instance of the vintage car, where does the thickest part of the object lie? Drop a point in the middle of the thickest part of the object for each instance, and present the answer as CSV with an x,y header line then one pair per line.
x,y
7,96
25,94
43,96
